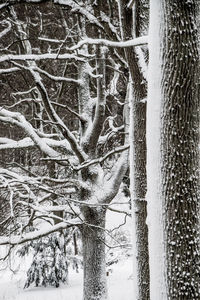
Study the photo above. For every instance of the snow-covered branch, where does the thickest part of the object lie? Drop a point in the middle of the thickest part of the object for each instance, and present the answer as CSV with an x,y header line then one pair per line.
x,y
27,142
103,158
36,57
19,120
123,44
77,8
94,130
80,117
55,118
9,70
112,185
16,240
57,78
10,178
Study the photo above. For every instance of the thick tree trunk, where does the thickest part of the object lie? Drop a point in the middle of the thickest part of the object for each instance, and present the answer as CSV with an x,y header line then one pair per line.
x,y
173,192
93,239
179,148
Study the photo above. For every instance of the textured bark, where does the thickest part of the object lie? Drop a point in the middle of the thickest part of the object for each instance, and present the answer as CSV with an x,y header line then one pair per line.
x,y
179,148
138,187
93,238
138,154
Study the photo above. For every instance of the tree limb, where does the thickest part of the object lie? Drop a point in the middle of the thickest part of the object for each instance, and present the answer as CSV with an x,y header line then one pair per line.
x,y
123,44
17,240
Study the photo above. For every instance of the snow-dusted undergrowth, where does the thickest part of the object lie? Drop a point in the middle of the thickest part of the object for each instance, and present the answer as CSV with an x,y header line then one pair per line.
x,y
119,286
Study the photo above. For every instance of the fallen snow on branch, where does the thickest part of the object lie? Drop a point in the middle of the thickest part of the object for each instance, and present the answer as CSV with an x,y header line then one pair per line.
x,y
36,57
27,142
16,240
131,43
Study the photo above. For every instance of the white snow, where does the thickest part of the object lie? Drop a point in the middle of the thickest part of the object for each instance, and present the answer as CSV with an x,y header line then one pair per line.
x,y
120,282
15,240
37,57
154,204
119,286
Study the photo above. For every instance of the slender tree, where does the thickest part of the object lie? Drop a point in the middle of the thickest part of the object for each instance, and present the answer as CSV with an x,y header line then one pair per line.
x,y
132,25
173,153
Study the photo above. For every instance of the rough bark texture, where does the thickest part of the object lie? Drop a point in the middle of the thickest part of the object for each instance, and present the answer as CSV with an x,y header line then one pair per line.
x,y
139,200
138,152
179,148
93,238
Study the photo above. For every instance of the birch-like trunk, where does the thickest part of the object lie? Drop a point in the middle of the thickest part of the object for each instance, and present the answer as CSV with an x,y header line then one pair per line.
x,y
173,153
94,264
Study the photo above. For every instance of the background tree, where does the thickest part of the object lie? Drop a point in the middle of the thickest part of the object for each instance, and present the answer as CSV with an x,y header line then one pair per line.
x,y
95,179
134,23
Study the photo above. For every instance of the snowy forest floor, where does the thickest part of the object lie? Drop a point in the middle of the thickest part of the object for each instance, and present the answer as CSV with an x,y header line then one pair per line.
x,y
119,286
120,283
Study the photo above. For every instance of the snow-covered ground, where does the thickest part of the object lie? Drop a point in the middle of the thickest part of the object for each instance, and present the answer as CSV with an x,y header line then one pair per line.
x,y
120,286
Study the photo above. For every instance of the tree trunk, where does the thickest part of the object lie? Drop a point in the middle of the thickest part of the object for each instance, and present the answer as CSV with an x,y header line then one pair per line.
x,y
93,239
138,184
173,181
138,195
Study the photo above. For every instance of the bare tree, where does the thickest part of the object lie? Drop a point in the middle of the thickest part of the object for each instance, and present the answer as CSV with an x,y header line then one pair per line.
x,y
96,177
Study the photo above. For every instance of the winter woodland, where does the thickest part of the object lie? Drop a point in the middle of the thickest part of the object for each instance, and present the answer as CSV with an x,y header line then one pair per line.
x,y
99,149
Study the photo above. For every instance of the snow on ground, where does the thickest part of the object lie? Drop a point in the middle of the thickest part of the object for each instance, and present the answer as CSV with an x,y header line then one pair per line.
x,y
120,286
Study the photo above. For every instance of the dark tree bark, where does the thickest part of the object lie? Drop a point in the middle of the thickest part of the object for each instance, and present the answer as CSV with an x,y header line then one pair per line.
x,y
179,148
175,217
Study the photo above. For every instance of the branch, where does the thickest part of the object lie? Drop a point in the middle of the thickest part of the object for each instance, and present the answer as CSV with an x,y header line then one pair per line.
x,y
81,118
9,70
16,240
120,211
48,211
112,185
75,7
94,130
123,44
6,30
118,171
104,138
19,120
36,57
54,117
56,78
102,159
15,164
27,142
